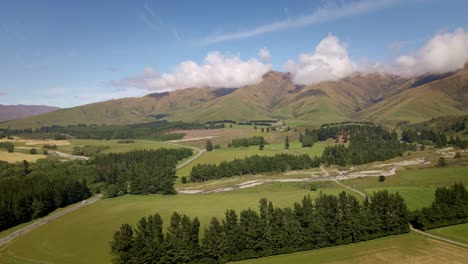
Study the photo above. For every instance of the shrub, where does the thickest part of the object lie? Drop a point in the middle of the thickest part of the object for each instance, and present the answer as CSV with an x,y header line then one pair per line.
x,y
183,180
313,187
112,191
441,163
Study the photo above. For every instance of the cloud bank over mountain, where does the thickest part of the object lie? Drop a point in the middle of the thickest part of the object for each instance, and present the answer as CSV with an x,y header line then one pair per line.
x,y
442,53
216,70
330,60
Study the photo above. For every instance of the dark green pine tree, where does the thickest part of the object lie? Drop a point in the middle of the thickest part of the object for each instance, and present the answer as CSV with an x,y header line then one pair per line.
x,y
213,241
121,246
209,145
286,142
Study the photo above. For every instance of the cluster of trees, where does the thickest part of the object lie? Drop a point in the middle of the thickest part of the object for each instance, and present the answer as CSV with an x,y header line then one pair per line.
x,y
458,142
8,146
252,165
327,221
450,207
245,142
367,144
420,136
88,150
332,130
50,146
140,171
459,125
33,195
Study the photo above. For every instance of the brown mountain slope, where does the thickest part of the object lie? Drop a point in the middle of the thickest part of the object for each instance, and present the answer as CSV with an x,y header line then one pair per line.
x,y
125,110
11,112
441,97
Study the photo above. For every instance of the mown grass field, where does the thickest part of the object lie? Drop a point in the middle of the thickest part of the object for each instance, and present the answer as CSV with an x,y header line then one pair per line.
x,y
457,232
407,248
19,156
83,236
417,186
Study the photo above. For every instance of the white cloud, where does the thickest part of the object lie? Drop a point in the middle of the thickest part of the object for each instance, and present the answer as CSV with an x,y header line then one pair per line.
x,y
264,54
329,61
326,13
216,70
444,52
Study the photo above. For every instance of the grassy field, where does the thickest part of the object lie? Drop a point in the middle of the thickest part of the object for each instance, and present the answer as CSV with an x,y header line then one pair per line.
x,y
19,156
457,232
417,186
408,248
83,236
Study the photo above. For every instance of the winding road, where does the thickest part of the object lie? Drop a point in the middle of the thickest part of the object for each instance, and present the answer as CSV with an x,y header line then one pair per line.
x,y
26,229
185,163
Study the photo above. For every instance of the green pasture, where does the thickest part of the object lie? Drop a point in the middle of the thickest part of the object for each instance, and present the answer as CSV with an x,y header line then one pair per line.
x,y
83,236
457,232
417,186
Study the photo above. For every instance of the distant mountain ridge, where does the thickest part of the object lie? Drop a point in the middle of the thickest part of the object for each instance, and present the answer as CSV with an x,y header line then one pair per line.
x,y
12,112
376,97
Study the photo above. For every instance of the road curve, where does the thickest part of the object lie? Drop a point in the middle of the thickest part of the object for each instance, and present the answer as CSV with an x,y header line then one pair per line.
x,y
26,229
185,163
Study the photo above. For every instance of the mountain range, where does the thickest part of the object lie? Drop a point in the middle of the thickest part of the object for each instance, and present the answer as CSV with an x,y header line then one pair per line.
x,y
11,112
377,97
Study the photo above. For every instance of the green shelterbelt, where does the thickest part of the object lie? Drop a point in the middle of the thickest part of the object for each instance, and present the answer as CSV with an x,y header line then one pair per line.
x,y
326,221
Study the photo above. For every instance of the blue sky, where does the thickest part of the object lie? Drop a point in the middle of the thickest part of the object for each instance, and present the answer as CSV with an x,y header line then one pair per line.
x,y
67,53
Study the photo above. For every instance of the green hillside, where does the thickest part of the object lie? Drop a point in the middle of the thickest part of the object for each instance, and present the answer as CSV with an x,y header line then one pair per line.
x,y
374,97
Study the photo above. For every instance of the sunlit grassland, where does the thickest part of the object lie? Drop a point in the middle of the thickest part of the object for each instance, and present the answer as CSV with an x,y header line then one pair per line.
x,y
83,236
457,232
417,186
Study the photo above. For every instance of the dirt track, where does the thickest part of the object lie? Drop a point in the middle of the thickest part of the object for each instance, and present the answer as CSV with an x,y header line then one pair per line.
x,y
68,156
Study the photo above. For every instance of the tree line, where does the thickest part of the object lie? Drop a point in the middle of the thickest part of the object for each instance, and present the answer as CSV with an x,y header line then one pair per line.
x,y
140,171
252,165
245,142
27,197
310,224
450,207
